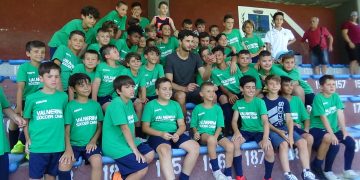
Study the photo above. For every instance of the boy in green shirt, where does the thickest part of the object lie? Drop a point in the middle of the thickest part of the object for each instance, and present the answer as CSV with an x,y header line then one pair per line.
x,y
163,121
228,84
136,13
102,38
4,144
130,44
89,15
207,121
254,124
252,42
167,43
328,128
44,111
83,120
106,72
67,57
118,140
247,68
233,35
27,80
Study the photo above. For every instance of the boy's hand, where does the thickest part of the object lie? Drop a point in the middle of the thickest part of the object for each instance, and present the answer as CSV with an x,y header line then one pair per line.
x,y
139,157
27,146
175,137
18,111
291,142
351,45
334,139
265,144
233,68
197,136
233,98
283,135
19,121
67,157
191,87
237,136
166,136
90,147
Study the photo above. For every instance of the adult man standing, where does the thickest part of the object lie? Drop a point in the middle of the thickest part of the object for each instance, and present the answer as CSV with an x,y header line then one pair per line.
x,y
181,68
320,43
351,35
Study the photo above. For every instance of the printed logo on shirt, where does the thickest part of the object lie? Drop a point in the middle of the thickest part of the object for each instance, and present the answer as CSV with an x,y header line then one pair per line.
x,y
207,124
49,114
77,110
156,110
109,79
325,103
233,40
33,81
330,110
202,113
106,70
131,119
229,81
249,115
30,72
40,102
165,118
86,120
67,63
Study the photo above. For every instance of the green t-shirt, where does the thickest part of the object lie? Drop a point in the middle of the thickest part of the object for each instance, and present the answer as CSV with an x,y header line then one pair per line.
x,y
162,117
28,74
112,16
124,49
227,52
80,68
326,106
207,120
4,143
118,113
294,74
83,119
226,79
139,79
150,78
68,62
96,47
253,44
253,73
167,48
298,111
234,39
250,113
45,113
107,74
61,36
144,22
275,70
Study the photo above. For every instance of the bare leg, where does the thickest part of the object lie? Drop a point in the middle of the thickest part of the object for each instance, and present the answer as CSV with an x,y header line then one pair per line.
x,y
229,151
192,149
303,153
96,166
166,167
180,97
283,155
309,140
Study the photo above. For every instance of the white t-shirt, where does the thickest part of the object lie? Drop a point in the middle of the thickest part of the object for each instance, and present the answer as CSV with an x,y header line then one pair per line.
x,y
278,40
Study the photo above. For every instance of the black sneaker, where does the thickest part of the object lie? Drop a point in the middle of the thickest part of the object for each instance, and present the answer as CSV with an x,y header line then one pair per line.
x,y
319,173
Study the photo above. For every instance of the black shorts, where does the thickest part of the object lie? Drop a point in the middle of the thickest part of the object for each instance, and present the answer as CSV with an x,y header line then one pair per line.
x,y
354,54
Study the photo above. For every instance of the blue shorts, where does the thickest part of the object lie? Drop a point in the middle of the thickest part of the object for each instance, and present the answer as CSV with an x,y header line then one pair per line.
x,y
316,60
155,141
128,164
299,130
43,163
81,151
276,139
309,98
4,166
252,136
104,99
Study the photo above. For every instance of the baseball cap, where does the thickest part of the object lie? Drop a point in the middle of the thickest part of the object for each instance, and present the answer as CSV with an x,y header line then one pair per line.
x,y
354,13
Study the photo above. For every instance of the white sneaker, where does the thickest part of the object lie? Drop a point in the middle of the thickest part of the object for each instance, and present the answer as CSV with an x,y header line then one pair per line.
x,y
229,178
350,174
331,176
218,175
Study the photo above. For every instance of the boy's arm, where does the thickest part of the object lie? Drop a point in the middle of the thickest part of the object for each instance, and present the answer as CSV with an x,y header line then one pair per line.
x,y
175,86
181,127
205,71
291,41
306,125
68,156
217,132
143,94
341,121
91,146
150,131
95,88
27,138
234,125
130,141
15,117
327,126
265,143
19,97
231,97
290,126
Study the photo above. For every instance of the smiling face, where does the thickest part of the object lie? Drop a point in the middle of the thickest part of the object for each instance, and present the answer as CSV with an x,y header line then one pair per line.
x,y
289,64
83,89
122,10
208,93
136,11
266,63
223,41
90,60
36,54
244,60
88,21
152,57
273,86
249,89
164,91
103,38
76,42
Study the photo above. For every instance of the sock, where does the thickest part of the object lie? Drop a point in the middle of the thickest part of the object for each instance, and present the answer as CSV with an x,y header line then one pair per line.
x,y
64,175
13,137
330,157
237,161
227,171
214,164
22,137
227,110
349,152
317,163
183,176
268,169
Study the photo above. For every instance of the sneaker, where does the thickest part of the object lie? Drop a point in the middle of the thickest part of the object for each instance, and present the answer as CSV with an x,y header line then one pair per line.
x,y
308,175
27,156
219,175
116,176
331,176
290,176
19,148
319,173
229,178
240,178
350,174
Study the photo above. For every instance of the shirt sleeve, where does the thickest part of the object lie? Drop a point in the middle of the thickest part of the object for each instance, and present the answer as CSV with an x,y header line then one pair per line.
x,y
28,108
220,117
199,62
305,36
118,114
267,37
21,74
291,35
169,64
100,114
304,114
59,54
194,118
68,115
4,103
148,113
262,108
345,25
317,107
161,71
179,113
339,104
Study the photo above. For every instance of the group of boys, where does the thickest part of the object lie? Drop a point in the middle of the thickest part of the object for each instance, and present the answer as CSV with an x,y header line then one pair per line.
x,y
121,91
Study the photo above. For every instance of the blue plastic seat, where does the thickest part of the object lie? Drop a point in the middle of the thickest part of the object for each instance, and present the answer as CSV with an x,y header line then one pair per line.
x,y
13,78
354,99
17,61
341,76
305,65
337,65
190,106
316,76
78,162
355,76
305,76
2,78
14,161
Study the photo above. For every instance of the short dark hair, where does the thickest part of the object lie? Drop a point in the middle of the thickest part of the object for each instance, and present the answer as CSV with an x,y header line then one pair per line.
x,y
184,33
204,35
150,28
244,51
105,50
110,24
287,56
46,67
163,24
121,81
279,13
203,48
324,78
219,36
132,55
134,29
264,53
102,29
272,77
285,79
133,21
246,23
34,44
77,32
149,40
91,51
218,48
228,16
246,79
77,79
90,10
119,3
199,21
213,26
160,81
152,49
206,83
186,21
135,4
163,3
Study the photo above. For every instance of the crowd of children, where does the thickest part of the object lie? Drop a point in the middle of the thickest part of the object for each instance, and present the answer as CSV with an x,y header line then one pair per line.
x,y
106,86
